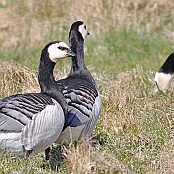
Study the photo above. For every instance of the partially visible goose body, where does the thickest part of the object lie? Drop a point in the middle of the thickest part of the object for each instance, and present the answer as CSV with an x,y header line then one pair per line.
x,y
30,123
80,91
165,74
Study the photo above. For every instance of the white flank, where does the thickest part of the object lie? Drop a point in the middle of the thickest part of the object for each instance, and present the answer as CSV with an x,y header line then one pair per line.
x,y
70,134
163,81
43,130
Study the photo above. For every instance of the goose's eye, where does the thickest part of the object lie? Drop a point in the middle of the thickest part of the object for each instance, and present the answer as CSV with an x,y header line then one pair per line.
x,y
61,48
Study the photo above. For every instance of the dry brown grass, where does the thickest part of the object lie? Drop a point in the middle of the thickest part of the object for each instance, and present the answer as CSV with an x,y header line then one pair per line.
x,y
83,158
15,78
136,124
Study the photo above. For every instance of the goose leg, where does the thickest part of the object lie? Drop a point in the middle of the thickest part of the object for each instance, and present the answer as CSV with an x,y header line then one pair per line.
x,y
47,153
26,153
51,161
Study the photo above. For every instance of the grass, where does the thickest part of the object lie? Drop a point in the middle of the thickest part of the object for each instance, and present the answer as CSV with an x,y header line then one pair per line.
x,y
128,42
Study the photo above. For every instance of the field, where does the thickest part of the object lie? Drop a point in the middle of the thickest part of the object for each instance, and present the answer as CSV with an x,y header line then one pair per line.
x,y
128,42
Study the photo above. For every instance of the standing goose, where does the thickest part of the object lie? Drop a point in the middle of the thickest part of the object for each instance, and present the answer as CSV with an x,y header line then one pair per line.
x,y
30,123
165,74
80,91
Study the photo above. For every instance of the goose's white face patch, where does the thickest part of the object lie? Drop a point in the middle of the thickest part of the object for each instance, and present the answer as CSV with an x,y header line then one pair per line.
x,y
56,52
83,31
163,81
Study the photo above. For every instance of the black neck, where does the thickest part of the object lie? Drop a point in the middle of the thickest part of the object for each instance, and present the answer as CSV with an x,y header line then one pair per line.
x,y
78,62
47,81
78,67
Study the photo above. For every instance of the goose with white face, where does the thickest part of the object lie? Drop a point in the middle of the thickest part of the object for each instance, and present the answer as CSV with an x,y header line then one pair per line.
x,y
83,31
58,51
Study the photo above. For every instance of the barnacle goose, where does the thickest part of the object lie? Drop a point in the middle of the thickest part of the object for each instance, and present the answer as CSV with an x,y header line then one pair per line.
x,y
80,91
165,74
29,123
